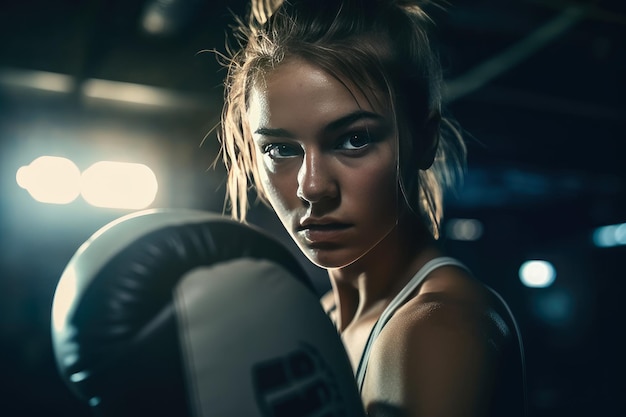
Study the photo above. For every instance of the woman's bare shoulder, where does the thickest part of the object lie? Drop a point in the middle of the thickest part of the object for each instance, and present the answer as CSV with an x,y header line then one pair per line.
x,y
443,343
451,300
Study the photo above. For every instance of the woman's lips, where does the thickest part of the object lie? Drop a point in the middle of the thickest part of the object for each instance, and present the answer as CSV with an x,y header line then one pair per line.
x,y
323,233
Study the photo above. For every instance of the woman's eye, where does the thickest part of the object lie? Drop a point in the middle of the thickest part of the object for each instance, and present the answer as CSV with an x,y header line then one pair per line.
x,y
280,150
355,141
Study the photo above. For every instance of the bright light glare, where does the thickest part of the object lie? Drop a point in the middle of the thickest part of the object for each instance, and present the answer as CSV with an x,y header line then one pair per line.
x,y
537,274
608,236
50,179
119,185
465,229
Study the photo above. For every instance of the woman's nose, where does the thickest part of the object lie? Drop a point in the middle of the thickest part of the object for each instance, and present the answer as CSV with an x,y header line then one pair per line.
x,y
315,179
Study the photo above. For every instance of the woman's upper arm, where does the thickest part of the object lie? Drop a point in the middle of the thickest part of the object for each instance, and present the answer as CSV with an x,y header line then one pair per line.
x,y
434,359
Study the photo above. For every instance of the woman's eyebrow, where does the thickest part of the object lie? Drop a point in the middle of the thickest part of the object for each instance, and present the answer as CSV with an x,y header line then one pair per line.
x,y
276,133
337,124
351,118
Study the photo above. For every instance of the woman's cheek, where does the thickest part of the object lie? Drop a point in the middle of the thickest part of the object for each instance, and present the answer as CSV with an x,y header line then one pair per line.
x,y
276,190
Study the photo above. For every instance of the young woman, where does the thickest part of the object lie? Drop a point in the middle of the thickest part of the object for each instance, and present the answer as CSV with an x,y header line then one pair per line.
x,y
333,115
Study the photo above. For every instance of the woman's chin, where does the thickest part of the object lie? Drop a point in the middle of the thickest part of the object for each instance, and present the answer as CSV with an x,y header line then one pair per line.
x,y
328,258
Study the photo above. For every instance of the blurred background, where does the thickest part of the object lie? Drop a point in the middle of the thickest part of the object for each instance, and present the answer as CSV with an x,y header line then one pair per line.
x,y
120,90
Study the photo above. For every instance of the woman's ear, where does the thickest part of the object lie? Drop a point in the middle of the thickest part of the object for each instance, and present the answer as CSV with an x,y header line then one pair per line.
x,y
429,141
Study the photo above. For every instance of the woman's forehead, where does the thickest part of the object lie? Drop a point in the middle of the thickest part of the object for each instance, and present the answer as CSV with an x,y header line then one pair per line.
x,y
296,74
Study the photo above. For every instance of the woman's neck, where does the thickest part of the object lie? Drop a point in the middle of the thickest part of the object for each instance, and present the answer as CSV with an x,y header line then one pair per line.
x,y
370,283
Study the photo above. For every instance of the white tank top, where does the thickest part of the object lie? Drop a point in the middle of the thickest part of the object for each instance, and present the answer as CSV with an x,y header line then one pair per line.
x,y
396,303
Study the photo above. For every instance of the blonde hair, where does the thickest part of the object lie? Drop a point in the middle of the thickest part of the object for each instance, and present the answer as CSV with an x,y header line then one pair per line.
x,y
379,46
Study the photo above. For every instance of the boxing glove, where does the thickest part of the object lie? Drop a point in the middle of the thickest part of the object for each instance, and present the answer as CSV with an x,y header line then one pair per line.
x,y
188,313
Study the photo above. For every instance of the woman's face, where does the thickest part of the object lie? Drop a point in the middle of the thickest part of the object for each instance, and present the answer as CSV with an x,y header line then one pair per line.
x,y
326,156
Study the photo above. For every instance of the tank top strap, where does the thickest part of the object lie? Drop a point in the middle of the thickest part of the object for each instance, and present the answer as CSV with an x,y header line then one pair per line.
x,y
396,303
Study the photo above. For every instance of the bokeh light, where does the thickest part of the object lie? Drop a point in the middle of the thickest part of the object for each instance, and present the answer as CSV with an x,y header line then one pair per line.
x,y
609,236
50,179
537,274
119,185
108,184
464,229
